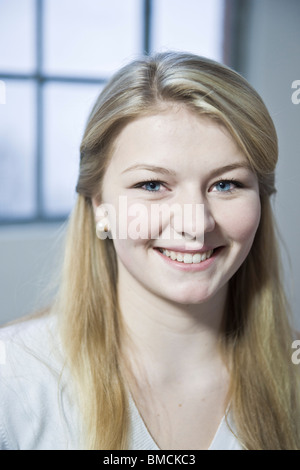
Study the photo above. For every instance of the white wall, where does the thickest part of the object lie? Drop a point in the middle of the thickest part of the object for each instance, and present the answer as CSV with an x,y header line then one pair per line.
x,y
30,258
271,63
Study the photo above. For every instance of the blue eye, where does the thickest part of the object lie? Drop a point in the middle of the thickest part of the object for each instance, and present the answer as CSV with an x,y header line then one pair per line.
x,y
227,186
224,186
152,186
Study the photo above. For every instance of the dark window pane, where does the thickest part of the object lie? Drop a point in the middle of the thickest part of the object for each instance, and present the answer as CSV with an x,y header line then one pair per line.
x,y
90,37
196,26
17,150
66,109
17,36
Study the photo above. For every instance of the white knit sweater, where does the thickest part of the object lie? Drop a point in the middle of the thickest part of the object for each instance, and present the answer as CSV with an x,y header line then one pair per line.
x,y
37,409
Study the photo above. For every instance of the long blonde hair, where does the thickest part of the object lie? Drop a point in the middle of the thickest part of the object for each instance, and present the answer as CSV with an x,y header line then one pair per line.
x,y
256,334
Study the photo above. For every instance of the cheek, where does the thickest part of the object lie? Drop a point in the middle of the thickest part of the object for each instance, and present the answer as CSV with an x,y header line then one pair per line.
x,y
132,260
124,253
132,253
242,219
136,221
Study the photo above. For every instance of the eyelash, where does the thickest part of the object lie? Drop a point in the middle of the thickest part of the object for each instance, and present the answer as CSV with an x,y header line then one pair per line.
x,y
236,183
150,180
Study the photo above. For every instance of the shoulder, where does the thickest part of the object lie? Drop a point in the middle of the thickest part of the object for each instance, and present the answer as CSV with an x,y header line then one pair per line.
x,y
31,342
30,384
29,326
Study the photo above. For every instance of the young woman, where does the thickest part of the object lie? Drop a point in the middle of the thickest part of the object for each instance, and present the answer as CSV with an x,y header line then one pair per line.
x,y
170,329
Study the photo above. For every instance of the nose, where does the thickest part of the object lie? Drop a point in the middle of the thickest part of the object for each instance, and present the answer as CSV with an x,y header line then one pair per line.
x,y
196,219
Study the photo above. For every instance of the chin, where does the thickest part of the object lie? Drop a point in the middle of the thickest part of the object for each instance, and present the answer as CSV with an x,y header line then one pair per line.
x,y
194,297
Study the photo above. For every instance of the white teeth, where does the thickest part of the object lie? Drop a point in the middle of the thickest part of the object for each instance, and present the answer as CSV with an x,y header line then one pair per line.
x,y
187,258
197,258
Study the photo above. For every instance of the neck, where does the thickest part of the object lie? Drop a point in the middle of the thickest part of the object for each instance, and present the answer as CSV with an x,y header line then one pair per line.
x,y
166,340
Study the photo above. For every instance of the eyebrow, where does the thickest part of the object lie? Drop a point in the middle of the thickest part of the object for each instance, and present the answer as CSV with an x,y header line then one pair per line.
x,y
233,166
158,169
168,171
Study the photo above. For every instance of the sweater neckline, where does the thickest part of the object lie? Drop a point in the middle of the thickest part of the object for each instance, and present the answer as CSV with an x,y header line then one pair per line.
x,y
142,438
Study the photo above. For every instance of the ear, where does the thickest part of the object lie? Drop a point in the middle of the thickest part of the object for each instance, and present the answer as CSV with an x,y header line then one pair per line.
x,y
95,204
105,218
100,210
103,227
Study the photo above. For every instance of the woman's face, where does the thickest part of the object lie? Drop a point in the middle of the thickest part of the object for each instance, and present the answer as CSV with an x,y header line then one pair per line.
x,y
186,205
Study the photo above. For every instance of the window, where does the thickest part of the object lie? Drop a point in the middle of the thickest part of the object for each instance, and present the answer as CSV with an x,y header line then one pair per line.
x,y
55,57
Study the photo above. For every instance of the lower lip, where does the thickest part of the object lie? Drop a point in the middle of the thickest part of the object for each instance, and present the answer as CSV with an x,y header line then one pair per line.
x,y
191,267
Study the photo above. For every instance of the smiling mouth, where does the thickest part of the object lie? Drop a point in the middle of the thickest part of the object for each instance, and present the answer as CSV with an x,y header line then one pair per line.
x,y
187,258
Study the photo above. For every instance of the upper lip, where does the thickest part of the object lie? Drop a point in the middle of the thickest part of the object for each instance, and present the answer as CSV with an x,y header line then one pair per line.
x,y
203,249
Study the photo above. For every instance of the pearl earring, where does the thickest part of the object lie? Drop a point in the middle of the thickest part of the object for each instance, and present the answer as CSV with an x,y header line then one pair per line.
x,y
102,229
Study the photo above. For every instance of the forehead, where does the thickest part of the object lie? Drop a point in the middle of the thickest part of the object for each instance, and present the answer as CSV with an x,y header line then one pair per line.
x,y
175,136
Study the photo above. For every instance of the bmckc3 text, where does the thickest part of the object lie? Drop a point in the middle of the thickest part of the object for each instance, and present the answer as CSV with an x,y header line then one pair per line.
x,y
150,459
